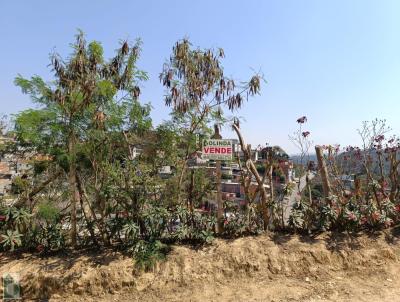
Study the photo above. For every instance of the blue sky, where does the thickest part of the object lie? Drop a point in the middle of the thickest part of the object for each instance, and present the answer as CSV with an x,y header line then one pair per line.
x,y
337,62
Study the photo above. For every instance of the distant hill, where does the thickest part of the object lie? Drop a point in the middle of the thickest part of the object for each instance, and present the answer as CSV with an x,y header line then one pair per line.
x,y
348,163
297,158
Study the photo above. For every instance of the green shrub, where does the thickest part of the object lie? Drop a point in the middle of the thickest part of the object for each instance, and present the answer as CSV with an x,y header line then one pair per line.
x,y
193,226
238,222
260,169
49,238
226,176
19,185
40,166
48,212
131,232
148,253
11,239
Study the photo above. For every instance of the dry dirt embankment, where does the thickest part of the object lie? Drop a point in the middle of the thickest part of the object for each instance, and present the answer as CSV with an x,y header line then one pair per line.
x,y
281,268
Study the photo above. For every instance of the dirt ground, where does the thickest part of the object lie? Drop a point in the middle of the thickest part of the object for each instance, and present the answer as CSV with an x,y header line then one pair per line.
x,y
265,268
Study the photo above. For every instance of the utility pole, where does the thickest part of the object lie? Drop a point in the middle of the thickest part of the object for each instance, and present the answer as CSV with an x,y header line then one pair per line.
x,y
220,205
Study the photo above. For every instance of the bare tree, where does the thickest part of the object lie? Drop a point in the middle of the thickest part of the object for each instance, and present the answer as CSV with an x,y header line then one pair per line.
x,y
300,139
372,134
197,90
252,168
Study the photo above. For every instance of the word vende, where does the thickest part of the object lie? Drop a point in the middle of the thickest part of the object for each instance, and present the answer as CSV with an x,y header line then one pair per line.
x,y
217,149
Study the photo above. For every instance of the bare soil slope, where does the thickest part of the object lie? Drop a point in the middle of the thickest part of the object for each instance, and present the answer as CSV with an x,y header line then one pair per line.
x,y
263,268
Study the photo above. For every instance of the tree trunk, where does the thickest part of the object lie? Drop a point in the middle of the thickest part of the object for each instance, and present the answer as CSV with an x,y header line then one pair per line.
x,y
37,190
250,165
191,192
309,188
324,171
270,178
44,184
382,175
88,222
220,205
100,223
182,174
243,179
394,176
74,193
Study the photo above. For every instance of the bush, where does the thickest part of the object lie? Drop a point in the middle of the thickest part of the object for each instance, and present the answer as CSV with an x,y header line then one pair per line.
x,y
260,169
317,191
131,232
147,253
343,215
238,222
48,212
155,220
19,185
193,226
39,166
49,238
226,176
11,239
20,228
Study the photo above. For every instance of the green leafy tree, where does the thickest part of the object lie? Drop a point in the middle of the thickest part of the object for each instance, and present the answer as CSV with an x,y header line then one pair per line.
x,y
84,96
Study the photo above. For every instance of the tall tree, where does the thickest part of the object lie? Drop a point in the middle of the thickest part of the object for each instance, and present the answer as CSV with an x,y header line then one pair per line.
x,y
197,90
84,93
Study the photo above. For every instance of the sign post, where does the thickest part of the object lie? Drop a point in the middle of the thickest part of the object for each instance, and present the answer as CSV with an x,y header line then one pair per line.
x,y
218,149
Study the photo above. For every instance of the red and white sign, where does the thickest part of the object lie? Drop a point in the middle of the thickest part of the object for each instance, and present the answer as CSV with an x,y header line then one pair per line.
x,y
217,149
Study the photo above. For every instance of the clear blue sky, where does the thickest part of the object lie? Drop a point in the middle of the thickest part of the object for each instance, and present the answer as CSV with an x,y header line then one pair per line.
x,y
337,62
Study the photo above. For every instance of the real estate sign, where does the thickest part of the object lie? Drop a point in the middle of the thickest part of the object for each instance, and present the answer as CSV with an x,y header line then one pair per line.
x,y
217,149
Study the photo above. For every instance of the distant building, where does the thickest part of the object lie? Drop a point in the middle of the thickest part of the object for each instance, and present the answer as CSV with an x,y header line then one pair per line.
x,y
347,182
255,155
287,168
166,171
5,177
232,187
196,160
136,151
12,165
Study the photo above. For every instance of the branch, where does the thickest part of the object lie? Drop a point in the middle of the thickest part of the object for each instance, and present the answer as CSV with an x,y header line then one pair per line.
x,y
38,189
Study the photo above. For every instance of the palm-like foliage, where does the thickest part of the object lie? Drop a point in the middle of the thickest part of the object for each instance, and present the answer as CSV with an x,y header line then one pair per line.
x,y
11,239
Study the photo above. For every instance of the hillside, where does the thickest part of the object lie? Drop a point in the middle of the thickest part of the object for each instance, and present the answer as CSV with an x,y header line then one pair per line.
x,y
349,163
265,268
297,158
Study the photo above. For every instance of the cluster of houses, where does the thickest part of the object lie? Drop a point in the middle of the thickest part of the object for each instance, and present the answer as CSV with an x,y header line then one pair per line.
x,y
6,170
231,185
11,165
